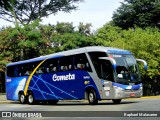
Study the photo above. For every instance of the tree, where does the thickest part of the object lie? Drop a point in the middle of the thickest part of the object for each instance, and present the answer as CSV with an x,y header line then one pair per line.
x,y
5,4
64,27
34,40
142,13
23,43
84,28
143,43
66,37
107,34
26,11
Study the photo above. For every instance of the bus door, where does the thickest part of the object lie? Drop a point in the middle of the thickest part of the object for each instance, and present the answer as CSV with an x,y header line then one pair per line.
x,y
107,77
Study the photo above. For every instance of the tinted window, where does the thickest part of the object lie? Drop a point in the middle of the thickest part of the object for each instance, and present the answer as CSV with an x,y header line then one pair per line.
x,y
51,65
103,67
10,71
66,63
81,62
96,61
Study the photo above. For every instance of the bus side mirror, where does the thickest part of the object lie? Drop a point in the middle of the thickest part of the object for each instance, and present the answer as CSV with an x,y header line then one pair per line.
x,y
111,60
144,62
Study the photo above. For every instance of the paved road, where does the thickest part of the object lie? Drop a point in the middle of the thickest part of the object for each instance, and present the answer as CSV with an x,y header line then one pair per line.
x,y
129,105
152,104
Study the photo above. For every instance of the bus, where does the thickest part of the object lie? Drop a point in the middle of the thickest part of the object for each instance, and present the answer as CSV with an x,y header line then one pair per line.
x,y
94,73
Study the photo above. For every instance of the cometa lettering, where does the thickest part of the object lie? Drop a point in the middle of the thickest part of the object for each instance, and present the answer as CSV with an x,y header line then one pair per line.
x,y
63,77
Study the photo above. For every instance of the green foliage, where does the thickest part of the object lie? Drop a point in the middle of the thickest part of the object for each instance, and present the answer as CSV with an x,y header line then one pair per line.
x,y
70,41
144,44
84,29
21,43
142,13
66,37
25,12
107,34
6,4
33,40
64,27
5,48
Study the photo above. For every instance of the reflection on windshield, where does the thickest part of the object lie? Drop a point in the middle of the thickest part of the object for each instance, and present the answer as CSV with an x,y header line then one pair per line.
x,y
127,70
122,72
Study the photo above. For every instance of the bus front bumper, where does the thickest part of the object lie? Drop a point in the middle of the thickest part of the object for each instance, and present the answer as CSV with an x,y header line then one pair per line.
x,y
120,94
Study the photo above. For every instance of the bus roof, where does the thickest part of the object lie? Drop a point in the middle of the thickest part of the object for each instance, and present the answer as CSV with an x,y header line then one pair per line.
x,y
109,50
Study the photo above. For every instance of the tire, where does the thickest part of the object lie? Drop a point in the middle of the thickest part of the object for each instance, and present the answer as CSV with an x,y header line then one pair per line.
x,y
116,101
30,98
22,98
92,98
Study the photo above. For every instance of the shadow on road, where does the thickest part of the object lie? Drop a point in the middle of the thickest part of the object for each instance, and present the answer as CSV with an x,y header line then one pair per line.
x,y
75,103
85,103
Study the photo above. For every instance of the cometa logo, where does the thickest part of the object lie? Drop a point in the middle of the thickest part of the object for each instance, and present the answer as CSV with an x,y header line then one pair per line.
x,y
63,77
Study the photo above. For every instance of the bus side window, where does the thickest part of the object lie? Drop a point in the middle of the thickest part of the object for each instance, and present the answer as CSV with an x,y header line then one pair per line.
x,y
27,72
87,67
20,72
70,67
65,63
54,69
80,66
106,70
51,65
40,71
82,63
49,68
64,68
10,71
16,71
96,62
28,68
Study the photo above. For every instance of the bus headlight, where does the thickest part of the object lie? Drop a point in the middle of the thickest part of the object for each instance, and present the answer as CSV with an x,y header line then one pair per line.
x,y
141,88
118,88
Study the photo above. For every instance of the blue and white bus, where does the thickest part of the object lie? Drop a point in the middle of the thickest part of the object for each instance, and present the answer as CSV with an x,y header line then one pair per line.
x,y
94,73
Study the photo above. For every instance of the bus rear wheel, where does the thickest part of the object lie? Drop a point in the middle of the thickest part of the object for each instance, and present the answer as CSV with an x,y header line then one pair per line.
x,y
92,98
22,98
30,99
116,101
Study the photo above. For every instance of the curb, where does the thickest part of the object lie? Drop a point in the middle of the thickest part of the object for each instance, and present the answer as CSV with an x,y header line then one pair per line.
x,y
7,101
151,97
145,97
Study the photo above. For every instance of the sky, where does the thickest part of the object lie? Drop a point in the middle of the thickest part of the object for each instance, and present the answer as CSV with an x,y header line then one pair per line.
x,y
96,12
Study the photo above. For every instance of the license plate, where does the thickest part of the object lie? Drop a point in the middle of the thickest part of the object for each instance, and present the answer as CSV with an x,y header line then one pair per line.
x,y
132,95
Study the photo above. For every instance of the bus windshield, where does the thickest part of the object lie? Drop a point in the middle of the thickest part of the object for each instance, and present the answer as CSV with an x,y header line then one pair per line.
x,y
127,70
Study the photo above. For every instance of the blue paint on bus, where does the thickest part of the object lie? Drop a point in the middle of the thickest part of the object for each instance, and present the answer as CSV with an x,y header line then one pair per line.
x,y
127,87
46,87
120,52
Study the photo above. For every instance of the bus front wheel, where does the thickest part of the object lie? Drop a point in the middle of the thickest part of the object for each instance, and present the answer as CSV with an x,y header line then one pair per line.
x,y
31,100
92,98
116,101
22,98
